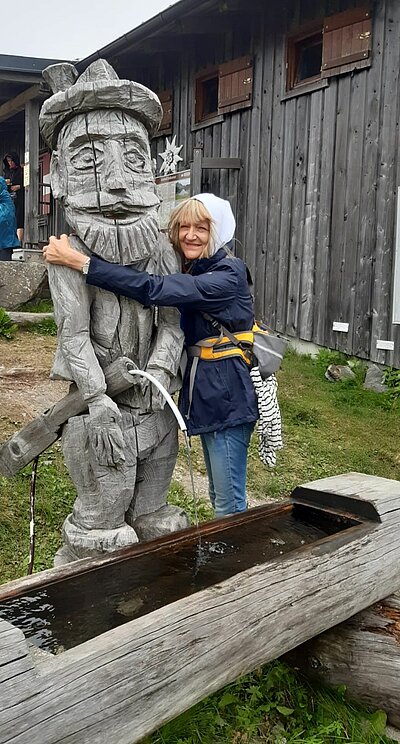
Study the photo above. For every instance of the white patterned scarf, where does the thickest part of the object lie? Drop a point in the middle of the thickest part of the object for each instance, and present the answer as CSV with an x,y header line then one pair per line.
x,y
269,427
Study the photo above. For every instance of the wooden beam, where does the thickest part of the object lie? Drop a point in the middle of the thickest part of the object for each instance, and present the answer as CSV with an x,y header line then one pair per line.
x,y
221,163
195,175
18,103
21,77
43,431
32,108
363,654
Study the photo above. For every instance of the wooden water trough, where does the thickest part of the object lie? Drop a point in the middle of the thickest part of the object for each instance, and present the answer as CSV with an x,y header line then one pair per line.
x,y
130,641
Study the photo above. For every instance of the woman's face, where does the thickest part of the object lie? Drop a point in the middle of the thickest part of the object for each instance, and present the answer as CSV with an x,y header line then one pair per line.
x,y
11,163
194,238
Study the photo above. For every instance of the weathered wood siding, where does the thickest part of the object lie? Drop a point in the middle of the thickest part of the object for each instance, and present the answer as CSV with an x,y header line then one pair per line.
x,y
315,199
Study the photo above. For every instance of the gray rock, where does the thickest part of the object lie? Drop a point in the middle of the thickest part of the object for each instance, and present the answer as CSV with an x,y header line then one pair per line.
x,y
22,282
162,522
337,372
392,733
374,379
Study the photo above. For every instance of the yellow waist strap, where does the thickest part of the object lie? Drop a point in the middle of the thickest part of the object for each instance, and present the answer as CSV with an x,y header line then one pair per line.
x,y
213,348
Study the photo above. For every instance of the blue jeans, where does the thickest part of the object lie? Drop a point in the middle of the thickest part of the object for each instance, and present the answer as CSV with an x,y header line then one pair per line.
x,y
225,455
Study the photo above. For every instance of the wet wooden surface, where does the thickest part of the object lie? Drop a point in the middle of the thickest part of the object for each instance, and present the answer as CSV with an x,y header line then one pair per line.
x,y
123,684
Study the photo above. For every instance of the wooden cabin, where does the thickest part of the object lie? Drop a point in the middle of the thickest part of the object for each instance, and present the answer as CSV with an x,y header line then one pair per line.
x,y
302,96
290,109
22,92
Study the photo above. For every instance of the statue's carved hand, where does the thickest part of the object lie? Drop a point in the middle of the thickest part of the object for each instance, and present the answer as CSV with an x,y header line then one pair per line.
x,y
157,398
105,431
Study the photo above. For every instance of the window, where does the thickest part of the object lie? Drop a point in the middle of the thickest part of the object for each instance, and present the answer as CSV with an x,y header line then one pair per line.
x,y
165,97
222,89
304,58
44,183
206,105
335,45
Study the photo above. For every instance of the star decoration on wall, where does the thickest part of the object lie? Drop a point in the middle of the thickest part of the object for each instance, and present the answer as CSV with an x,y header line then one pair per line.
x,y
170,157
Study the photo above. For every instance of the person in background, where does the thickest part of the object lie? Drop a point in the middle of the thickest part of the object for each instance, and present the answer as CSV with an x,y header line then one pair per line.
x,y
14,177
8,229
217,399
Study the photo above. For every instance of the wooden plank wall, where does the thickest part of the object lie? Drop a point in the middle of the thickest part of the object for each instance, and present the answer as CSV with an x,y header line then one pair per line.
x,y
315,199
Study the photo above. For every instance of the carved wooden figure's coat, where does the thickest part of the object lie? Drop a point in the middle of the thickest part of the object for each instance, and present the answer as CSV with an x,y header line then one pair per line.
x,y
121,453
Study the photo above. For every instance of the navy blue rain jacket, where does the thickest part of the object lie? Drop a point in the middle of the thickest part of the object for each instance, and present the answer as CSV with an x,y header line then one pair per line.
x,y
223,393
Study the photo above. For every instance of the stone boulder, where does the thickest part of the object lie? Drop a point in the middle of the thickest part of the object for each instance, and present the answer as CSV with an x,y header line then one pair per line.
x,y
337,372
22,282
374,379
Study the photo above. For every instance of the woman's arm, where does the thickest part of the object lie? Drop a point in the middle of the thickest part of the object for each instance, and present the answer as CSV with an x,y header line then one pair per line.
x,y
210,291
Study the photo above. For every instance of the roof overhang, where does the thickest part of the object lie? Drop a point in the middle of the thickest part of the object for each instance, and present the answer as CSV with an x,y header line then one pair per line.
x,y
184,18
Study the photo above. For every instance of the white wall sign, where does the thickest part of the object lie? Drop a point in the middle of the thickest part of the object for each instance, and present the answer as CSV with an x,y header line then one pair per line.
x,y
341,327
382,344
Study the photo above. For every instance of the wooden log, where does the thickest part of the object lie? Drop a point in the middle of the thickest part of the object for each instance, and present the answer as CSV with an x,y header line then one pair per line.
x,y
363,654
123,684
25,319
43,431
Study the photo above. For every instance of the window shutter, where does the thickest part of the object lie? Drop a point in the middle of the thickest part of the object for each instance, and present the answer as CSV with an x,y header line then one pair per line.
x,y
235,84
165,97
346,40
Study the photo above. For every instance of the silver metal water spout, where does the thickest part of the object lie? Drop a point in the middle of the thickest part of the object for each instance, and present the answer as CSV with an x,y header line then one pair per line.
x,y
169,400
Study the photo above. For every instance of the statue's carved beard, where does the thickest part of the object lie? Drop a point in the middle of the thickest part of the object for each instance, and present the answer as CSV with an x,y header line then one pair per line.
x,y
113,240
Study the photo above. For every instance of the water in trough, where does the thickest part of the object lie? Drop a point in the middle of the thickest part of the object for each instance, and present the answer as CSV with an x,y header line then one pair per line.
x,y
61,614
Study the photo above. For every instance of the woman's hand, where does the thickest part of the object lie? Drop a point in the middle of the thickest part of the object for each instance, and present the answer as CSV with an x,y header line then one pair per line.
x,y
59,251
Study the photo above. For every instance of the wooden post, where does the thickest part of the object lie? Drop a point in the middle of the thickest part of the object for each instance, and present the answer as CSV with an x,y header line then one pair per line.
x,y
195,176
363,654
199,164
31,160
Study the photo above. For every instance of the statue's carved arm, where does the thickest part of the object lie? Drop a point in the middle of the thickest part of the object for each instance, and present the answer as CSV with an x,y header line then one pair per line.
x,y
72,303
168,343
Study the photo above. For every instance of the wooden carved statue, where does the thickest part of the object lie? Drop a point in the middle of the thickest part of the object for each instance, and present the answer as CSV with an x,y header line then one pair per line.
x,y
121,453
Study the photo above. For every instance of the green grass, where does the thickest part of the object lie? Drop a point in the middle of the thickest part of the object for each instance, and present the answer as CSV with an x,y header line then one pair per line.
x,y
274,706
45,327
329,428
8,329
37,306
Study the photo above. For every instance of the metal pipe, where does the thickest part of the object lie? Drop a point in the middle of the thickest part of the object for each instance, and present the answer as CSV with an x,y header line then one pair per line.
x,y
161,388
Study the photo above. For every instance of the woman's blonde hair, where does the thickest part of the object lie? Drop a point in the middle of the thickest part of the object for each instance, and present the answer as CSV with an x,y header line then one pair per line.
x,y
190,210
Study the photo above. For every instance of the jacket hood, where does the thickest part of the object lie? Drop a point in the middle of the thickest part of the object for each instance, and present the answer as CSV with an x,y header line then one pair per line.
x,y
14,156
223,219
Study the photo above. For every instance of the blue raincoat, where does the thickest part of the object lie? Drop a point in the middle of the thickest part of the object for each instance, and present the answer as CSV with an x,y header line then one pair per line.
x,y
8,224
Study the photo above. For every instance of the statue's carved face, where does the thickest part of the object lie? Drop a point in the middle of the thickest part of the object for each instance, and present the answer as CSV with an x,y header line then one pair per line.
x,y
102,172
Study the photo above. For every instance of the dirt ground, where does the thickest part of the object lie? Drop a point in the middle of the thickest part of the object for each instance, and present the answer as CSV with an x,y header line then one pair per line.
x,y
25,387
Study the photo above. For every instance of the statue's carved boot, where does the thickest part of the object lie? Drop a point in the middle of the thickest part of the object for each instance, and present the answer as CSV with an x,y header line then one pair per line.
x,y
167,519
83,543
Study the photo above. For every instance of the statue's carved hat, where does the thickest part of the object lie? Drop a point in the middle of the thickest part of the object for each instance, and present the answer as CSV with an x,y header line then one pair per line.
x,y
99,87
